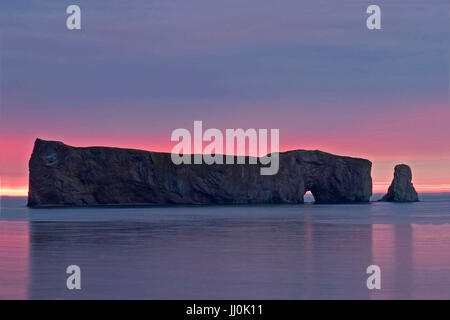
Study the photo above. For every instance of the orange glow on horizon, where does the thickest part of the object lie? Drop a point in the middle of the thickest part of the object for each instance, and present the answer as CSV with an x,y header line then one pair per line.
x,y
420,188
14,192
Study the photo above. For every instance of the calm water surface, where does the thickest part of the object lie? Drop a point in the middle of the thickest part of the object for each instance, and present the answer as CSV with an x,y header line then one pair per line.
x,y
227,252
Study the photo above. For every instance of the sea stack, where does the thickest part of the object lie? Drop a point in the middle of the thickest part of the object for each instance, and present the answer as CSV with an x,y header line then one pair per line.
x,y
61,175
401,188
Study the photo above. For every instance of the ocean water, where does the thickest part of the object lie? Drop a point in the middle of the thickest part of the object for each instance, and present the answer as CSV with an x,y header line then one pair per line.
x,y
227,252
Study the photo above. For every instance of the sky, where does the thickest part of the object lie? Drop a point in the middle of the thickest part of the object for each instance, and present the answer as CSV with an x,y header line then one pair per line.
x,y
139,69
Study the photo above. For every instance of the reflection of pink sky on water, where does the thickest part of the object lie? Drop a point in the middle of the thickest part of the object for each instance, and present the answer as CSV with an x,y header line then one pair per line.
x,y
432,260
329,261
14,259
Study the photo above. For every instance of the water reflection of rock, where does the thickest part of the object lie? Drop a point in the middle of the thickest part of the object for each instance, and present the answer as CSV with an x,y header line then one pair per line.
x,y
392,250
238,258
224,258
339,272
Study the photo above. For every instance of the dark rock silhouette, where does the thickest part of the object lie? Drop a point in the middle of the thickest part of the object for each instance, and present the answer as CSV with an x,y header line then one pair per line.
x,y
65,175
401,188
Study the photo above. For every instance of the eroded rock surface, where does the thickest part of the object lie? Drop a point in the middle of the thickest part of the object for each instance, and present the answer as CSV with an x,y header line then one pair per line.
x,y
401,188
65,175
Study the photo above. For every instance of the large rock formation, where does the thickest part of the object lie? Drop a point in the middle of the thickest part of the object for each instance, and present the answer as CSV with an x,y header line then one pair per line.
x,y
65,175
401,188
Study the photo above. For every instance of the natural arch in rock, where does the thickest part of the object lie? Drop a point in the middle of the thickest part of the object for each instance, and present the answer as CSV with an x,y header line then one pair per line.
x,y
308,197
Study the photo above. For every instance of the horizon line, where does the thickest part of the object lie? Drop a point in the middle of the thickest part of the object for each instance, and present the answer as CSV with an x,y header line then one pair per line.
x,y
376,189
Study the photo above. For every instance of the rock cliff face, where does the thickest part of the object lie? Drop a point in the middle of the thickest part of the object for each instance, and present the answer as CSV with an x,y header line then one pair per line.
x,y
401,188
65,175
